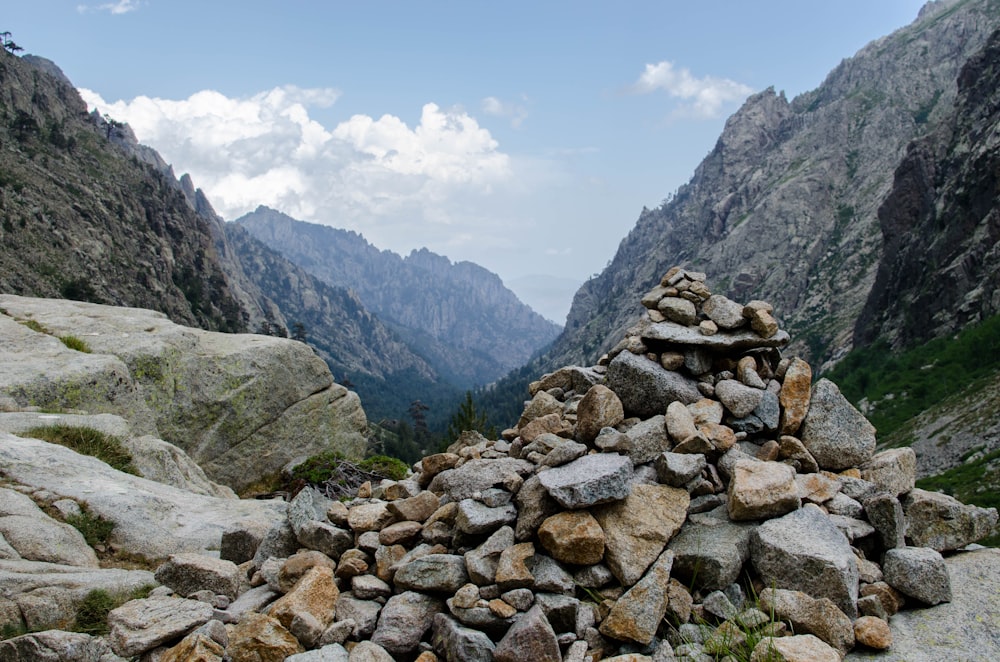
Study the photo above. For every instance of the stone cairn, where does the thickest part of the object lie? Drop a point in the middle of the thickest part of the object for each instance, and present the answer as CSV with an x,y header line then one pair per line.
x,y
690,491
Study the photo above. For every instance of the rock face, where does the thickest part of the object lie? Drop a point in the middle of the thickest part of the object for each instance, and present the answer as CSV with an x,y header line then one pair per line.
x,y
242,406
516,549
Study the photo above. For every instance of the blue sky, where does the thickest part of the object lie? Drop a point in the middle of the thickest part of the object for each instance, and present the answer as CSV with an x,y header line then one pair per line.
x,y
524,136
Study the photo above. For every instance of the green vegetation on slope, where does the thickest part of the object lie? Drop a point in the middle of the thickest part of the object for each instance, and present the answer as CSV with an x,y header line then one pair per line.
x,y
897,387
87,441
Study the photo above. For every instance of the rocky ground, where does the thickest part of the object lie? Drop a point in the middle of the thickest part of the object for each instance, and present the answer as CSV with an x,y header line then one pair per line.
x,y
690,497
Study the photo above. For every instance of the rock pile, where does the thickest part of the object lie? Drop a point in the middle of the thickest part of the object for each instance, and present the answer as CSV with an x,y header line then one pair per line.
x,y
690,495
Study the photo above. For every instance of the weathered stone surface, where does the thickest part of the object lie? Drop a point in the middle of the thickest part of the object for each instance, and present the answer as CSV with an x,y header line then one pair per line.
x,y
151,519
804,551
796,648
834,432
195,648
678,469
315,594
332,652
573,537
918,572
186,573
738,398
943,522
872,632
370,516
964,629
37,537
637,614
456,642
251,404
481,562
404,620
588,481
434,573
478,475
710,551
678,310
55,646
809,615
647,439
734,341
893,471
541,404
599,408
680,422
760,490
513,570
141,625
476,517
645,388
637,529
726,313
366,651
530,638
885,513
416,508
260,638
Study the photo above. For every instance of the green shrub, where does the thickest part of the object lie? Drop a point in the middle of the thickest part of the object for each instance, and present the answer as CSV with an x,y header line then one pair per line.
x,y
34,325
75,343
95,529
318,468
92,613
385,466
87,441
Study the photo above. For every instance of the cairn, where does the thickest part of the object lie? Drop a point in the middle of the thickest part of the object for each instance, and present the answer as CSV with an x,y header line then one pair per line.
x,y
692,494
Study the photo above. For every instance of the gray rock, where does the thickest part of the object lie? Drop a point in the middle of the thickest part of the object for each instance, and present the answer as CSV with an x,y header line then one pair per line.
x,y
481,562
456,643
364,614
187,573
943,522
278,543
726,313
893,471
434,573
369,587
534,505
637,614
885,513
559,610
530,638
254,599
804,551
367,651
678,310
151,519
711,551
918,572
645,388
647,439
738,398
308,505
404,620
808,615
678,469
475,517
593,576
37,537
551,577
723,341
55,646
141,625
239,542
964,629
328,653
478,475
588,481
325,537
834,432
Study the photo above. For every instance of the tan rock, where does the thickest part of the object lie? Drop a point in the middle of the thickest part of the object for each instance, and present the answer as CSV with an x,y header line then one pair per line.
x,y
768,451
337,513
816,487
760,490
706,410
315,594
680,422
792,451
432,465
873,632
573,536
599,408
260,638
891,599
637,614
371,516
794,396
297,565
400,532
708,327
637,528
797,648
195,648
548,424
893,471
501,609
671,360
512,568
416,508
763,324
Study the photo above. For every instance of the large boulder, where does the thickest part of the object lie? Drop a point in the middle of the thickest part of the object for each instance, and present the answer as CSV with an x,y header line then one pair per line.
x,y
240,405
837,434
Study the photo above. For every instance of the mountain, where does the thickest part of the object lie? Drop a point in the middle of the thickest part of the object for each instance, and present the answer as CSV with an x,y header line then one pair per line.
x,y
788,199
84,217
459,316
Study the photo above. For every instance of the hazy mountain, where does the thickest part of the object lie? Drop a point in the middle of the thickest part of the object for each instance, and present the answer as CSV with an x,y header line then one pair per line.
x,y
785,207
459,316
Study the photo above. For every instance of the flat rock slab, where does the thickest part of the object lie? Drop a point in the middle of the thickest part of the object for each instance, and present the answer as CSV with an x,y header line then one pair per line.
x,y
967,628
736,341
589,480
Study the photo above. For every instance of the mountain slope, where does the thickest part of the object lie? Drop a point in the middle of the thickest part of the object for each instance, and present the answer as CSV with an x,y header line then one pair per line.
x,y
82,218
785,205
460,317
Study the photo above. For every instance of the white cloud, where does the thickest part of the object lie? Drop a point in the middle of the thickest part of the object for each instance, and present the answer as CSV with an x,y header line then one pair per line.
x,y
703,97
516,112
401,186
119,7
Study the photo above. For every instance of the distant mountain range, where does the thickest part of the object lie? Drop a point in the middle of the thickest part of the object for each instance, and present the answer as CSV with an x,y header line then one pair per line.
x,y
89,213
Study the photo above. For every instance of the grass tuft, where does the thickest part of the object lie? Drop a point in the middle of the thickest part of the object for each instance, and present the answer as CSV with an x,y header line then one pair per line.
x,y
92,612
75,343
87,441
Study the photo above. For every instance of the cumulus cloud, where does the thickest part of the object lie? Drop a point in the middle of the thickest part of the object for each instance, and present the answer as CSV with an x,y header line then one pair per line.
x,y
119,7
515,112
703,97
375,175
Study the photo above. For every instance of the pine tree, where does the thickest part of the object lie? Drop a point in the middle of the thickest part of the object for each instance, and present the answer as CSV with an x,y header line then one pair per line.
x,y
467,418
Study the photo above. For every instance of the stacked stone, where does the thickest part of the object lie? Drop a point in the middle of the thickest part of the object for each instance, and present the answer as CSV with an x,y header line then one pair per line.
x,y
660,505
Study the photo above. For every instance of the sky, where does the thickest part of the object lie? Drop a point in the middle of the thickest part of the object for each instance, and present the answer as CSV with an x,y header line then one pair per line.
x,y
524,136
